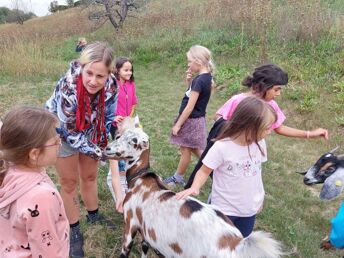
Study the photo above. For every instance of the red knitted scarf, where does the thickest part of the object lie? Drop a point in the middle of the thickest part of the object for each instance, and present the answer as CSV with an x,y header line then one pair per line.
x,y
84,113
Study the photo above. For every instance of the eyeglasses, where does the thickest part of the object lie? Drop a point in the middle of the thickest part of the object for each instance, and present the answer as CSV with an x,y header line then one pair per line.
x,y
57,142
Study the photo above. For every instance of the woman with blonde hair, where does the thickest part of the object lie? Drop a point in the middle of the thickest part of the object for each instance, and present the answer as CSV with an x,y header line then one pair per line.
x,y
84,100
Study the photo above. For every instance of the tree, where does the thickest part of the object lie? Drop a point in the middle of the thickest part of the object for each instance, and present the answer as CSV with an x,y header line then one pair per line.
x,y
4,11
70,3
55,7
114,11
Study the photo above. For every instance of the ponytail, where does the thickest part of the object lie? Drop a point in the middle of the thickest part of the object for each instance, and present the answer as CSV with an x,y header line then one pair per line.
x,y
248,81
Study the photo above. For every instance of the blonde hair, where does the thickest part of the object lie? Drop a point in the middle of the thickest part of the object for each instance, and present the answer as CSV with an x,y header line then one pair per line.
x,y
23,129
202,56
98,52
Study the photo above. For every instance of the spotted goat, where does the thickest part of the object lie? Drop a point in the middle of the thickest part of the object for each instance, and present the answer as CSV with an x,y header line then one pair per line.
x,y
176,228
329,170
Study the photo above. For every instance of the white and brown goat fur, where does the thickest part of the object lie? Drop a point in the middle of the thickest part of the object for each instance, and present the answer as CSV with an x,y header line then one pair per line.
x,y
176,228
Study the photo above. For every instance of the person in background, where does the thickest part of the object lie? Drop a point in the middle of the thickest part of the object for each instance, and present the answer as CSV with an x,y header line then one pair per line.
x,y
127,101
81,45
189,130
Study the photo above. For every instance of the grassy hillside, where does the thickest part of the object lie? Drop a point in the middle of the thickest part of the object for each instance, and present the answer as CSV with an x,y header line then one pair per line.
x,y
303,37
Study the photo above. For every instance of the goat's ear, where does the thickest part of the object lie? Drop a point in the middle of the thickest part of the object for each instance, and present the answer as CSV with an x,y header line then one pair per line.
x,y
137,122
332,151
340,157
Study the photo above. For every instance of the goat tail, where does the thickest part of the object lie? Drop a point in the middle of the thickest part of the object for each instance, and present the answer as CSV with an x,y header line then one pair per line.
x,y
259,245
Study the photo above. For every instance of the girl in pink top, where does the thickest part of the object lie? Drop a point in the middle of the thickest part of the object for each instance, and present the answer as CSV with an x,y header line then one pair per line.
x,y
33,221
127,101
236,158
266,83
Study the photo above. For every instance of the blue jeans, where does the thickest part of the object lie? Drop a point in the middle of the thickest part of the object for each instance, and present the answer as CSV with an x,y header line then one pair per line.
x,y
121,165
244,224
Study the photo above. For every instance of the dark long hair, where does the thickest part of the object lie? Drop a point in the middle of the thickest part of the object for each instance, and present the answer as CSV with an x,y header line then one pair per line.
x,y
252,116
118,65
264,77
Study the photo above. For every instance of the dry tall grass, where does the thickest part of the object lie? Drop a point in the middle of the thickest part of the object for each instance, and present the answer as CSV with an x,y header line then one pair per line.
x,y
29,49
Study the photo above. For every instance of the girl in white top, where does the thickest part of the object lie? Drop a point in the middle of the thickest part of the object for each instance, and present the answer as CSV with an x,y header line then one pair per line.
x,y
236,159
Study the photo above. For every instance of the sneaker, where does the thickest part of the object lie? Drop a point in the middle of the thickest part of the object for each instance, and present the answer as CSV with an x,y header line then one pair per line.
x,y
172,181
99,218
76,243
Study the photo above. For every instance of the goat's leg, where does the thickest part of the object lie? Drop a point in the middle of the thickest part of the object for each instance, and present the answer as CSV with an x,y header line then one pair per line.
x,y
127,242
145,247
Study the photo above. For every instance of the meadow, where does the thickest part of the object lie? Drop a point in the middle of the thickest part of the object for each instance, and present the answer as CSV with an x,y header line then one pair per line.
x,y
303,37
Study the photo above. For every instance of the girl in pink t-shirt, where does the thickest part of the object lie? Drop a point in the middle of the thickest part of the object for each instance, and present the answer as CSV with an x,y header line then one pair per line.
x,y
236,158
266,83
33,221
126,103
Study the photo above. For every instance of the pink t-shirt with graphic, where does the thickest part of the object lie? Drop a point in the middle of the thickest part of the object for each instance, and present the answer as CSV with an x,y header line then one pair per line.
x,y
126,98
227,110
237,188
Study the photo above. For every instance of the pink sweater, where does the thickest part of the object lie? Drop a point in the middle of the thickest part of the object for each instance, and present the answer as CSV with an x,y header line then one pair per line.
x,y
33,221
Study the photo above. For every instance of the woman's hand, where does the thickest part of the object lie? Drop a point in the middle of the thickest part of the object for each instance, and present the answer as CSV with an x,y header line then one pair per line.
x,y
119,206
118,119
175,130
190,191
319,132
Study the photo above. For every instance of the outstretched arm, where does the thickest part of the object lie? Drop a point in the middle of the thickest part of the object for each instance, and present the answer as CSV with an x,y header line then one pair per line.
x,y
293,132
200,179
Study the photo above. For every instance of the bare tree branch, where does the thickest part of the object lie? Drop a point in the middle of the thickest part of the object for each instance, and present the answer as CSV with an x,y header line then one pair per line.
x,y
115,11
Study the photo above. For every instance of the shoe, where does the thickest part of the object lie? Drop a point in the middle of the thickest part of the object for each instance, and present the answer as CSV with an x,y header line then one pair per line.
x,y
99,218
173,181
76,243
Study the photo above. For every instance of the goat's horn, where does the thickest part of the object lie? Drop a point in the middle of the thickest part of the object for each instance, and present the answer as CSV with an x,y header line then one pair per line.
x,y
332,151
301,173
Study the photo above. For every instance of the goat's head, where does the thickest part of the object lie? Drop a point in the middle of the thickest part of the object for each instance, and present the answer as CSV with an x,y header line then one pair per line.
x,y
128,146
329,169
322,169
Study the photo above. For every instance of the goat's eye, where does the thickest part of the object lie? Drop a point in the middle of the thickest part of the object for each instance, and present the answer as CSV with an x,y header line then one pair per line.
x,y
134,140
330,170
117,137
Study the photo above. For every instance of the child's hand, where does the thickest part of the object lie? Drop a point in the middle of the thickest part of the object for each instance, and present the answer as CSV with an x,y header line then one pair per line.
x,y
119,206
175,130
118,119
319,132
188,75
183,194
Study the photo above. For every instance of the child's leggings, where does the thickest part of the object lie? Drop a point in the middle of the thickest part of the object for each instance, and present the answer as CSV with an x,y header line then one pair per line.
x,y
244,224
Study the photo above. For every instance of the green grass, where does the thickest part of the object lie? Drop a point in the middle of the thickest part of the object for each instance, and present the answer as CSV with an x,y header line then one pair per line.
x,y
314,98
293,212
